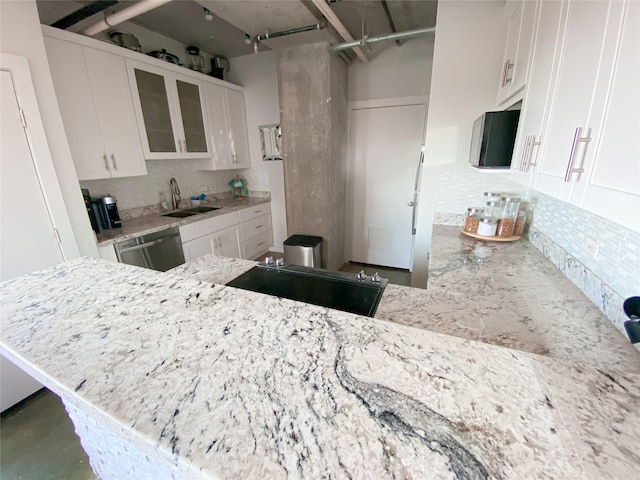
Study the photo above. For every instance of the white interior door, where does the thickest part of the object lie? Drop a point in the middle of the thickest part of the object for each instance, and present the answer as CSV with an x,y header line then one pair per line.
x,y
384,147
27,236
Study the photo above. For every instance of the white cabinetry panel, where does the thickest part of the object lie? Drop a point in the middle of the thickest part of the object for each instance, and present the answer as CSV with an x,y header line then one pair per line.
x,y
544,66
613,188
97,110
170,112
589,46
228,134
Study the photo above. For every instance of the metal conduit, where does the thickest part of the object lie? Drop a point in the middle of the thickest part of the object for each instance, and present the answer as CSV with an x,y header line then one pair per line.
x,y
268,35
391,36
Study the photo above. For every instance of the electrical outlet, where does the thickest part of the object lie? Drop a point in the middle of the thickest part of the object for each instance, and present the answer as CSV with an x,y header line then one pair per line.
x,y
591,246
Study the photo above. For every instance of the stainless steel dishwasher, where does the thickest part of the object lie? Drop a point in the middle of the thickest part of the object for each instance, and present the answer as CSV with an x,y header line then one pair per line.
x,y
157,251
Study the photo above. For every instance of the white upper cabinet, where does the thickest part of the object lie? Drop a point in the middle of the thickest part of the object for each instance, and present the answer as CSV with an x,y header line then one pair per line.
x,y
611,188
544,63
170,112
521,17
591,31
97,110
228,134
578,136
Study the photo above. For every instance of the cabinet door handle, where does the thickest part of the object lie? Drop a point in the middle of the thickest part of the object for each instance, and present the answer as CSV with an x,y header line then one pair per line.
x,y
113,161
184,146
106,162
529,163
234,158
504,74
508,79
523,159
577,139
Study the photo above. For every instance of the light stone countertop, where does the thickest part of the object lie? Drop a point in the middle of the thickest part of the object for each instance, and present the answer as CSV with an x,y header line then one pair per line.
x,y
234,384
156,222
505,294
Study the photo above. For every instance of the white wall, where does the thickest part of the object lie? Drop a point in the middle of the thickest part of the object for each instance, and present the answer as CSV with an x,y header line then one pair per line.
x,y
258,74
469,45
20,34
396,72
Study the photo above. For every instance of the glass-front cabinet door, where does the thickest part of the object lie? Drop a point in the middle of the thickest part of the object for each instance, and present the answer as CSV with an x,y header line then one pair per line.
x,y
191,115
154,102
169,111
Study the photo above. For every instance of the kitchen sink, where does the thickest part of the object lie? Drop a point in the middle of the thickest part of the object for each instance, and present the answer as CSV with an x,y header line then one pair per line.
x,y
202,209
190,212
179,214
337,290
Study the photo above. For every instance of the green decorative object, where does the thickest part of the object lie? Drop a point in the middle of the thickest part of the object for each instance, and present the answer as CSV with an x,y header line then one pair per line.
x,y
238,187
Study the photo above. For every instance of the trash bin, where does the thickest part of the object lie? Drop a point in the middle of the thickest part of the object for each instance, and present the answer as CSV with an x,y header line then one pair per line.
x,y
304,250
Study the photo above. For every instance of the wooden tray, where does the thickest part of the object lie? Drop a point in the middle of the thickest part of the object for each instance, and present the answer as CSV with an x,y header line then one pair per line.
x,y
513,238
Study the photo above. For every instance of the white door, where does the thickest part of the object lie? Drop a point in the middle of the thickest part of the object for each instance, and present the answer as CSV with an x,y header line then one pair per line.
x,y
228,245
27,236
385,147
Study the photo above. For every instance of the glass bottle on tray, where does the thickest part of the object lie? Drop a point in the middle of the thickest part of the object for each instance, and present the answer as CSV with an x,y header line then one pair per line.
x,y
508,215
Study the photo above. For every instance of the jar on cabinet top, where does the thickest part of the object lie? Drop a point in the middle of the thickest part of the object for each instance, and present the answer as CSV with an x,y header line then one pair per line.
x,y
508,215
472,219
487,227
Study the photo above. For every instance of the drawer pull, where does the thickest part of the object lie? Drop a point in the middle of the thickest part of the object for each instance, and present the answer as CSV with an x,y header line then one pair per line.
x,y
260,244
259,226
257,211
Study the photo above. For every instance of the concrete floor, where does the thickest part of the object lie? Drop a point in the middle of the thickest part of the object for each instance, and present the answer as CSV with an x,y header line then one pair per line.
x,y
37,442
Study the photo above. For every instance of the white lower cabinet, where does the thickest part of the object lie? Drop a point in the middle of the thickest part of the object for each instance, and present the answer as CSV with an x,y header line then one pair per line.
x,y
242,234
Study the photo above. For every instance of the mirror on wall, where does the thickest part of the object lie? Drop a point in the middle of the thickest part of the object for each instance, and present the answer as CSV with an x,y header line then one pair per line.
x,y
271,138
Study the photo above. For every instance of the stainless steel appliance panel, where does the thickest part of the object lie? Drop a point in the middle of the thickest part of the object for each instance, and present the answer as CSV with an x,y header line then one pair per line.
x,y
158,251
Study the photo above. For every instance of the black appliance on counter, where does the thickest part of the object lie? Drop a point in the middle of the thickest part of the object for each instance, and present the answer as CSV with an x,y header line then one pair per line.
x,y
91,211
103,212
493,138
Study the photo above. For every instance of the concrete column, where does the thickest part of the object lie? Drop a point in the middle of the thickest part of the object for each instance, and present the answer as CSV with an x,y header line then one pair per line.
x,y
312,86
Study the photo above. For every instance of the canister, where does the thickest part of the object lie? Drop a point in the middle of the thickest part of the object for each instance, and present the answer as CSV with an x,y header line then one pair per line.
x,y
520,221
491,196
487,227
472,219
492,210
508,216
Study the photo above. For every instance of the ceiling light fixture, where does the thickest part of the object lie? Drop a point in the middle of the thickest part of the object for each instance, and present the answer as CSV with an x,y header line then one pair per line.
x,y
207,15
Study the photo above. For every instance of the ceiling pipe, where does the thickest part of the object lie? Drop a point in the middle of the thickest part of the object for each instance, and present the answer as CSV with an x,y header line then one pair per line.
x,y
391,36
267,35
339,26
123,15
85,12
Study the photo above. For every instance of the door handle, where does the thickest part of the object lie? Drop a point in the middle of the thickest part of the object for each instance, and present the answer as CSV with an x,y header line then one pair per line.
x,y
113,161
411,203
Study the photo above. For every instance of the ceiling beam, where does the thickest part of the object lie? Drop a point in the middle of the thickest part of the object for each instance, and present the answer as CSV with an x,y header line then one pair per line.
x,y
336,23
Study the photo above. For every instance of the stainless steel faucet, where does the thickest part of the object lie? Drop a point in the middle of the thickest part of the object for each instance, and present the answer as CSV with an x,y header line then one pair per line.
x,y
175,193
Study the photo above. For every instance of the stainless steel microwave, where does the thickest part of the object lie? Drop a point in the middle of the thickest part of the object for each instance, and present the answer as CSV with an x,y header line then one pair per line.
x,y
493,138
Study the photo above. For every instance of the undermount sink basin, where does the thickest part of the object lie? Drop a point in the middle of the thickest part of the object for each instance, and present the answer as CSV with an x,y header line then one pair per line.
x,y
179,214
190,212
337,290
202,209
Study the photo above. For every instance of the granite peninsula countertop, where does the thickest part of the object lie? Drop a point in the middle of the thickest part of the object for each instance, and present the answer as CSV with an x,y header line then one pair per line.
x,y
505,294
234,384
156,222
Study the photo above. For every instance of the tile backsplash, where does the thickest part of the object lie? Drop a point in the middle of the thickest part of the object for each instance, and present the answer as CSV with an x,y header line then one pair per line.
x,y
142,191
561,232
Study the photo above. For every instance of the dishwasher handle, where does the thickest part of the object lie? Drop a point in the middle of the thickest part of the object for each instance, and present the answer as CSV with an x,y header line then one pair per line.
x,y
146,245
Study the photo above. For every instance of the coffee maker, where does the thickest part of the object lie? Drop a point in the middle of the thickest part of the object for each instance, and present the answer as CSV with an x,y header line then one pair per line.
x,y
107,209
